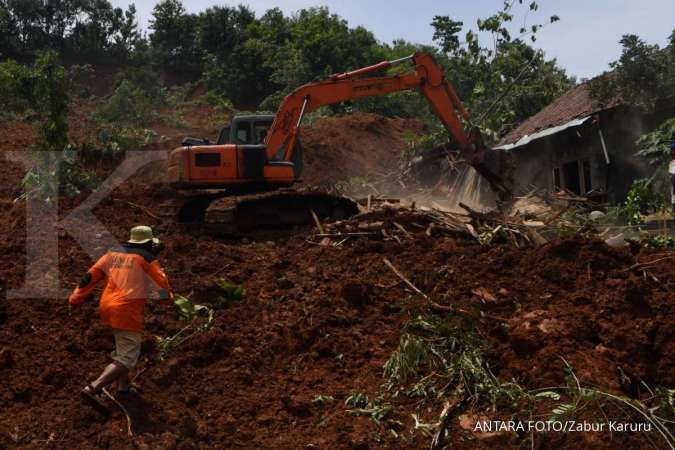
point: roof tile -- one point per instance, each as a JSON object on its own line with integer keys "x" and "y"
{"x": 573, "y": 104}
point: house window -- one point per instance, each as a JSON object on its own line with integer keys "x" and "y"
{"x": 575, "y": 176}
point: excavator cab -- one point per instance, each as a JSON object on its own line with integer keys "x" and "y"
{"x": 242, "y": 130}
{"x": 246, "y": 130}
{"x": 238, "y": 159}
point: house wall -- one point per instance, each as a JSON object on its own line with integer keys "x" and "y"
{"x": 621, "y": 127}
{"x": 535, "y": 161}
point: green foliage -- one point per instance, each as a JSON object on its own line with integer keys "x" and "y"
{"x": 138, "y": 95}
{"x": 55, "y": 173}
{"x": 43, "y": 90}
{"x": 16, "y": 87}
{"x": 505, "y": 82}
{"x": 656, "y": 410}
{"x": 640, "y": 201}
{"x": 116, "y": 137}
{"x": 82, "y": 28}
{"x": 407, "y": 360}
{"x": 655, "y": 146}
{"x": 375, "y": 411}
{"x": 51, "y": 101}
{"x": 219, "y": 101}
{"x": 453, "y": 355}
{"x": 445, "y": 33}
{"x": 173, "y": 38}
{"x": 254, "y": 62}
{"x": 357, "y": 400}
{"x": 642, "y": 74}
{"x": 229, "y": 292}
{"x": 179, "y": 96}
{"x": 322, "y": 400}
{"x": 200, "y": 318}
{"x": 188, "y": 311}
{"x": 658, "y": 241}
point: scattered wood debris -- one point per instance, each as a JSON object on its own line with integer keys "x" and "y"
{"x": 531, "y": 220}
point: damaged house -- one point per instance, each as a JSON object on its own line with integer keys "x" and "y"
{"x": 581, "y": 145}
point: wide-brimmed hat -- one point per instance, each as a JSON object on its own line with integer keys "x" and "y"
{"x": 142, "y": 234}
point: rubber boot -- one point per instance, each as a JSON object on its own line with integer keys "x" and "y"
{"x": 112, "y": 372}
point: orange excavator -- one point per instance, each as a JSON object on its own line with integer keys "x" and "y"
{"x": 262, "y": 154}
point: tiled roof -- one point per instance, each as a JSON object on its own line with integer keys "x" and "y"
{"x": 571, "y": 105}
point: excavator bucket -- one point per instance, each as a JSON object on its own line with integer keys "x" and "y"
{"x": 496, "y": 167}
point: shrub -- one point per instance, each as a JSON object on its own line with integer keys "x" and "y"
{"x": 16, "y": 87}
{"x": 128, "y": 104}
{"x": 144, "y": 79}
{"x": 641, "y": 200}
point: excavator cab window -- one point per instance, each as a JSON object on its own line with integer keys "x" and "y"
{"x": 224, "y": 136}
{"x": 260, "y": 130}
{"x": 243, "y": 133}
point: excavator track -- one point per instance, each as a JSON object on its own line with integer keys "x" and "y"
{"x": 221, "y": 214}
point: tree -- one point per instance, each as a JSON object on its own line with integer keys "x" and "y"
{"x": 174, "y": 37}
{"x": 234, "y": 57}
{"x": 9, "y": 31}
{"x": 128, "y": 36}
{"x": 445, "y": 33}
{"x": 27, "y": 14}
{"x": 311, "y": 44}
{"x": 503, "y": 83}
{"x": 642, "y": 74}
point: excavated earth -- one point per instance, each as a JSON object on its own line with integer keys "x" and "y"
{"x": 319, "y": 321}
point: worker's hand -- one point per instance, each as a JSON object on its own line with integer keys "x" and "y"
{"x": 165, "y": 298}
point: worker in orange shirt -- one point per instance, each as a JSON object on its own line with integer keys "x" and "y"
{"x": 130, "y": 272}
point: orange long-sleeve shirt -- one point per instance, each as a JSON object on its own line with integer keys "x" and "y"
{"x": 130, "y": 273}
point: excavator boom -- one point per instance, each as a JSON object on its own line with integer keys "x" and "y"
{"x": 427, "y": 76}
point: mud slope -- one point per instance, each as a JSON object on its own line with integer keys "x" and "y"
{"x": 356, "y": 145}
{"x": 320, "y": 321}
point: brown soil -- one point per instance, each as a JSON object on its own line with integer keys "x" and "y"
{"x": 358, "y": 145}
{"x": 319, "y": 321}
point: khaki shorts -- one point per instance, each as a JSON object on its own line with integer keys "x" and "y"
{"x": 127, "y": 348}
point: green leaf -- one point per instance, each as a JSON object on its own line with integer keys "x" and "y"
{"x": 549, "y": 394}
{"x": 562, "y": 409}
{"x": 188, "y": 311}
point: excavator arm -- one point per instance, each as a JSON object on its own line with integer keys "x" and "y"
{"x": 427, "y": 76}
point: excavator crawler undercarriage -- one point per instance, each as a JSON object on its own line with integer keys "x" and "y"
{"x": 221, "y": 214}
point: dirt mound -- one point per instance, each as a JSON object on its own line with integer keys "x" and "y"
{"x": 356, "y": 145}
{"x": 318, "y": 322}
{"x": 317, "y": 325}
